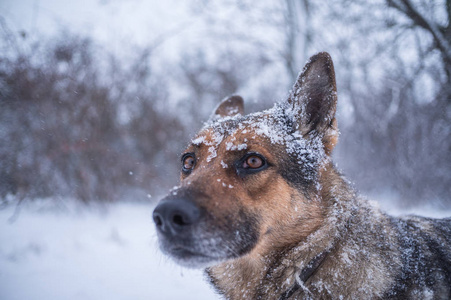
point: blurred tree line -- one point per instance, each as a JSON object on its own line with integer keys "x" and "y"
{"x": 79, "y": 121}
{"x": 75, "y": 125}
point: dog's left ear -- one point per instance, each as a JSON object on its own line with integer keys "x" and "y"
{"x": 229, "y": 106}
{"x": 313, "y": 100}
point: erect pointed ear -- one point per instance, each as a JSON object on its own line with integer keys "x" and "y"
{"x": 313, "y": 100}
{"x": 229, "y": 106}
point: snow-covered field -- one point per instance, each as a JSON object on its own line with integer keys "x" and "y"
{"x": 94, "y": 253}
{"x": 48, "y": 253}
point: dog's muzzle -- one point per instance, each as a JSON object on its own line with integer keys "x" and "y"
{"x": 195, "y": 238}
{"x": 181, "y": 233}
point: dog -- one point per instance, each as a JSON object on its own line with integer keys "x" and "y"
{"x": 263, "y": 209}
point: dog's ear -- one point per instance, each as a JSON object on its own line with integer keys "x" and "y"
{"x": 230, "y": 106}
{"x": 313, "y": 100}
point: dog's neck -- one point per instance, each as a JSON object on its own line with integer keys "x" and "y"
{"x": 252, "y": 276}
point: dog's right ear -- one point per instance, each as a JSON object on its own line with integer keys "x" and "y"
{"x": 229, "y": 107}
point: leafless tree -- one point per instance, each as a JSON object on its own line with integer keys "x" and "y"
{"x": 394, "y": 58}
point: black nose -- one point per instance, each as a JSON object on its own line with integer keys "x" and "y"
{"x": 174, "y": 216}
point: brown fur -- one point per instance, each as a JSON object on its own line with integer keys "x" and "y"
{"x": 293, "y": 227}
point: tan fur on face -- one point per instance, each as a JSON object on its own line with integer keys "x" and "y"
{"x": 266, "y": 193}
{"x": 286, "y": 216}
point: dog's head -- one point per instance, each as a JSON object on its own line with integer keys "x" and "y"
{"x": 253, "y": 183}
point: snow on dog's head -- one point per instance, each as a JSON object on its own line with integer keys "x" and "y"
{"x": 241, "y": 172}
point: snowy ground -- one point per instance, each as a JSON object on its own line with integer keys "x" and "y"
{"x": 73, "y": 253}
{"x": 89, "y": 254}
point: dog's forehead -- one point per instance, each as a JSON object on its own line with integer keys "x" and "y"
{"x": 235, "y": 129}
{"x": 271, "y": 126}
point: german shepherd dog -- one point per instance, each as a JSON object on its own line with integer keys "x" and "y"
{"x": 262, "y": 208}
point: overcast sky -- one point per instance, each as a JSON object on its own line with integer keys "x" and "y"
{"x": 107, "y": 21}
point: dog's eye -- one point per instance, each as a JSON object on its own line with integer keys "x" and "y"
{"x": 188, "y": 162}
{"x": 253, "y": 162}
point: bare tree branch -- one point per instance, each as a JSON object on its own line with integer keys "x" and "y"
{"x": 440, "y": 39}
{"x": 448, "y": 26}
